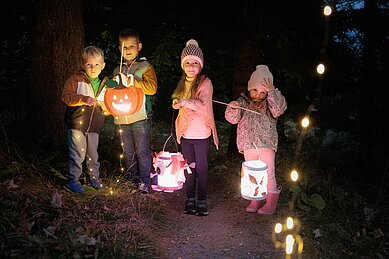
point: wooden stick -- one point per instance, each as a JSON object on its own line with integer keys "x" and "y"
{"x": 121, "y": 59}
{"x": 238, "y": 107}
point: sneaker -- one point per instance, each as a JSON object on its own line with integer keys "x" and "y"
{"x": 190, "y": 206}
{"x": 95, "y": 183}
{"x": 143, "y": 188}
{"x": 75, "y": 187}
{"x": 202, "y": 209}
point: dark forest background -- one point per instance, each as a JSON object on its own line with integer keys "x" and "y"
{"x": 42, "y": 40}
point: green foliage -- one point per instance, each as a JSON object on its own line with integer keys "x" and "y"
{"x": 306, "y": 202}
{"x": 166, "y": 61}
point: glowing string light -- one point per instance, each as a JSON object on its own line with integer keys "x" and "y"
{"x": 327, "y": 10}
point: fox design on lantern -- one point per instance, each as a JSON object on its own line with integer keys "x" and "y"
{"x": 170, "y": 171}
{"x": 254, "y": 181}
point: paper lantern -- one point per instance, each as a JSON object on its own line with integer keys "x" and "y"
{"x": 122, "y": 100}
{"x": 253, "y": 182}
{"x": 169, "y": 168}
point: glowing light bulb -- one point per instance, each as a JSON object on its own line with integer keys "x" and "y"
{"x": 121, "y": 156}
{"x": 289, "y": 244}
{"x": 278, "y": 228}
{"x": 305, "y": 122}
{"x": 289, "y": 223}
{"x": 320, "y": 69}
{"x": 327, "y": 10}
{"x": 294, "y": 175}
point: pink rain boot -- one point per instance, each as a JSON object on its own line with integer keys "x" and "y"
{"x": 253, "y": 206}
{"x": 271, "y": 202}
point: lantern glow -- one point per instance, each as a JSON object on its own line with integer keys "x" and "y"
{"x": 124, "y": 101}
{"x": 253, "y": 182}
{"x": 169, "y": 168}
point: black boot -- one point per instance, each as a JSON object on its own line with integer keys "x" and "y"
{"x": 190, "y": 206}
{"x": 202, "y": 209}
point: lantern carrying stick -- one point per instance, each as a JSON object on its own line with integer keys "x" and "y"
{"x": 121, "y": 58}
{"x": 238, "y": 107}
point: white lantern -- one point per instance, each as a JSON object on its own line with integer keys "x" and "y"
{"x": 169, "y": 168}
{"x": 253, "y": 182}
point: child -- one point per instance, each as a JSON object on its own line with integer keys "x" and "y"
{"x": 194, "y": 125}
{"x": 257, "y": 136}
{"x": 84, "y": 118}
{"x": 136, "y": 128}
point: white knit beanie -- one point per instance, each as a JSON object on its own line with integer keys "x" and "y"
{"x": 261, "y": 72}
{"x": 192, "y": 51}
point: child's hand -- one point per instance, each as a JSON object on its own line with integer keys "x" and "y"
{"x": 176, "y": 104}
{"x": 90, "y": 101}
{"x": 234, "y": 105}
{"x": 268, "y": 84}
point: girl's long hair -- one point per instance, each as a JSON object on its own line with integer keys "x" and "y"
{"x": 180, "y": 89}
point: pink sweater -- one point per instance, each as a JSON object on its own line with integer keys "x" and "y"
{"x": 198, "y": 109}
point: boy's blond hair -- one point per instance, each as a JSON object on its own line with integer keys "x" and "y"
{"x": 92, "y": 51}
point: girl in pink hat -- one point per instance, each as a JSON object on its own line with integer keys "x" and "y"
{"x": 257, "y": 137}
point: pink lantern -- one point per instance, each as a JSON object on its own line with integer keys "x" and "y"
{"x": 169, "y": 168}
{"x": 253, "y": 182}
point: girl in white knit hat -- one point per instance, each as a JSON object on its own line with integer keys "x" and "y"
{"x": 195, "y": 125}
{"x": 257, "y": 137}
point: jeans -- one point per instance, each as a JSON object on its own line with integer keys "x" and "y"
{"x": 82, "y": 146}
{"x": 136, "y": 144}
{"x": 196, "y": 150}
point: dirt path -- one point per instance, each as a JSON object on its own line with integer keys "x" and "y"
{"x": 227, "y": 232}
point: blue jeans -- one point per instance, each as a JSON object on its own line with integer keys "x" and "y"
{"x": 82, "y": 146}
{"x": 136, "y": 143}
{"x": 196, "y": 150}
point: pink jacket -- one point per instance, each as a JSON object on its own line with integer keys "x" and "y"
{"x": 254, "y": 130}
{"x": 200, "y": 106}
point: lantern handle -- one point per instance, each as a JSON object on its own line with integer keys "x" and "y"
{"x": 171, "y": 134}
{"x": 121, "y": 58}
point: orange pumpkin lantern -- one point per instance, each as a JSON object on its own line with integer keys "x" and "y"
{"x": 122, "y": 100}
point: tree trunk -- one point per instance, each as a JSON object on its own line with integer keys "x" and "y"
{"x": 58, "y": 39}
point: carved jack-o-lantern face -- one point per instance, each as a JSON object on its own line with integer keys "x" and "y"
{"x": 123, "y": 101}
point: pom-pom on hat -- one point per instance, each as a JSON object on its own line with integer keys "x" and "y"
{"x": 261, "y": 72}
{"x": 192, "y": 51}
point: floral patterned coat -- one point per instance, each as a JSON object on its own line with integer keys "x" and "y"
{"x": 254, "y": 130}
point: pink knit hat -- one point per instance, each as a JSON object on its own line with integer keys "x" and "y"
{"x": 192, "y": 51}
{"x": 261, "y": 72}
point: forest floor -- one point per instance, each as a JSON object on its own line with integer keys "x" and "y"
{"x": 227, "y": 232}
{"x": 41, "y": 219}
